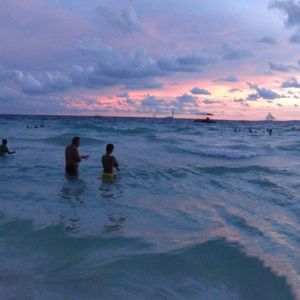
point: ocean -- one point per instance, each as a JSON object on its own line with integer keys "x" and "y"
{"x": 197, "y": 211}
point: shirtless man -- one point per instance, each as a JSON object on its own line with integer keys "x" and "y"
{"x": 4, "y": 148}
{"x": 72, "y": 157}
{"x": 109, "y": 162}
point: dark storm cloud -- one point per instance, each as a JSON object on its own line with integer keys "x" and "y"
{"x": 234, "y": 90}
{"x": 138, "y": 69}
{"x": 253, "y": 97}
{"x": 46, "y": 82}
{"x": 231, "y": 52}
{"x": 123, "y": 95}
{"x": 291, "y": 83}
{"x": 11, "y": 98}
{"x": 186, "y": 104}
{"x": 113, "y": 63}
{"x": 125, "y": 20}
{"x": 240, "y": 100}
{"x": 199, "y": 91}
{"x": 262, "y": 93}
{"x": 267, "y": 40}
{"x": 230, "y": 78}
{"x": 186, "y": 99}
{"x": 184, "y": 63}
{"x": 151, "y": 102}
{"x": 182, "y": 104}
{"x": 126, "y": 98}
{"x": 130, "y": 101}
{"x": 291, "y": 9}
{"x": 281, "y": 67}
{"x": 135, "y": 70}
{"x": 210, "y": 102}
{"x": 243, "y": 102}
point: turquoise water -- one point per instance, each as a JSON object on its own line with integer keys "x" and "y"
{"x": 198, "y": 211}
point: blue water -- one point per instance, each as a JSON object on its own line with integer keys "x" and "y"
{"x": 198, "y": 211}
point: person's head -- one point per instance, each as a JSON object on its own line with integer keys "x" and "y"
{"x": 76, "y": 141}
{"x": 109, "y": 148}
{"x": 4, "y": 141}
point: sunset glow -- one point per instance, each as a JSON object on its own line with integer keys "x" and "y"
{"x": 236, "y": 59}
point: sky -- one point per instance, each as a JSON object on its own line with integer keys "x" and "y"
{"x": 235, "y": 59}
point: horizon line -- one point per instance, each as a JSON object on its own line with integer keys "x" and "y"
{"x": 141, "y": 117}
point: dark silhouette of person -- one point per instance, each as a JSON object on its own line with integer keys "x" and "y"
{"x": 73, "y": 158}
{"x": 109, "y": 162}
{"x": 4, "y": 149}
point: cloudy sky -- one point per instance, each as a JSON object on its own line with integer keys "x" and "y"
{"x": 236, "y": 59}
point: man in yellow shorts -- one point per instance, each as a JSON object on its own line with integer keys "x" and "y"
{"x": 109, "y": 162}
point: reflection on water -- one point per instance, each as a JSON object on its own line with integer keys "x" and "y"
{"x": 110, "y": 189}
{"x": 72, "y": 191}
{"x": 116, "y": 220}
{"x": 79, "y": 211}
{"x": 71, "y": 224}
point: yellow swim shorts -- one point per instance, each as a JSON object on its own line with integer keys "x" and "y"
{"x": 109, "y": 176}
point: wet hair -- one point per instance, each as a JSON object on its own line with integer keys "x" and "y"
{"x": 109, "y": 148}
{"x": 75, "y": 140}
{"x": 4, "y": 141}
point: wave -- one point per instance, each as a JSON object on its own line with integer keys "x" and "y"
{"x": 226, "y": 153}
{"x": 65, "y": 139}
{"x": 255, "y": 169}
{"x": 293, "y": 147}
{"x": 215, "y": 152}
{"x": 129, "y": 268}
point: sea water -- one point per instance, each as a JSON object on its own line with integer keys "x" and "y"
{"x": 198, "y": 211}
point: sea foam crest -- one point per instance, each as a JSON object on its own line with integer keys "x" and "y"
{"x": 226, "y": 153}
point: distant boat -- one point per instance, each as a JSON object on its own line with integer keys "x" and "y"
{"x": 206, "y": 120}
{"x": 269, "y": 117}
{"x": 170, "y": 117}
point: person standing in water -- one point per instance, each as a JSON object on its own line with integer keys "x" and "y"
{"x": 4, "y": 149}
{"x": 73, "y": 158}
{"x": 109, "y": 162}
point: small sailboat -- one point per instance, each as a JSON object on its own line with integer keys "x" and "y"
{"x": 270, "y": 117}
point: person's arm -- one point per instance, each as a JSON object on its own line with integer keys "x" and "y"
{"x": 84, "y": 156}
{"x": 116, "y": 164}
{"x": 9, "y": 152}
{"x": 76, "y": 156}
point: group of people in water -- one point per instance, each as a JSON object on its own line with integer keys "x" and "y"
{"x": 269, "y": 130}
{"x": 73, "y": 158}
